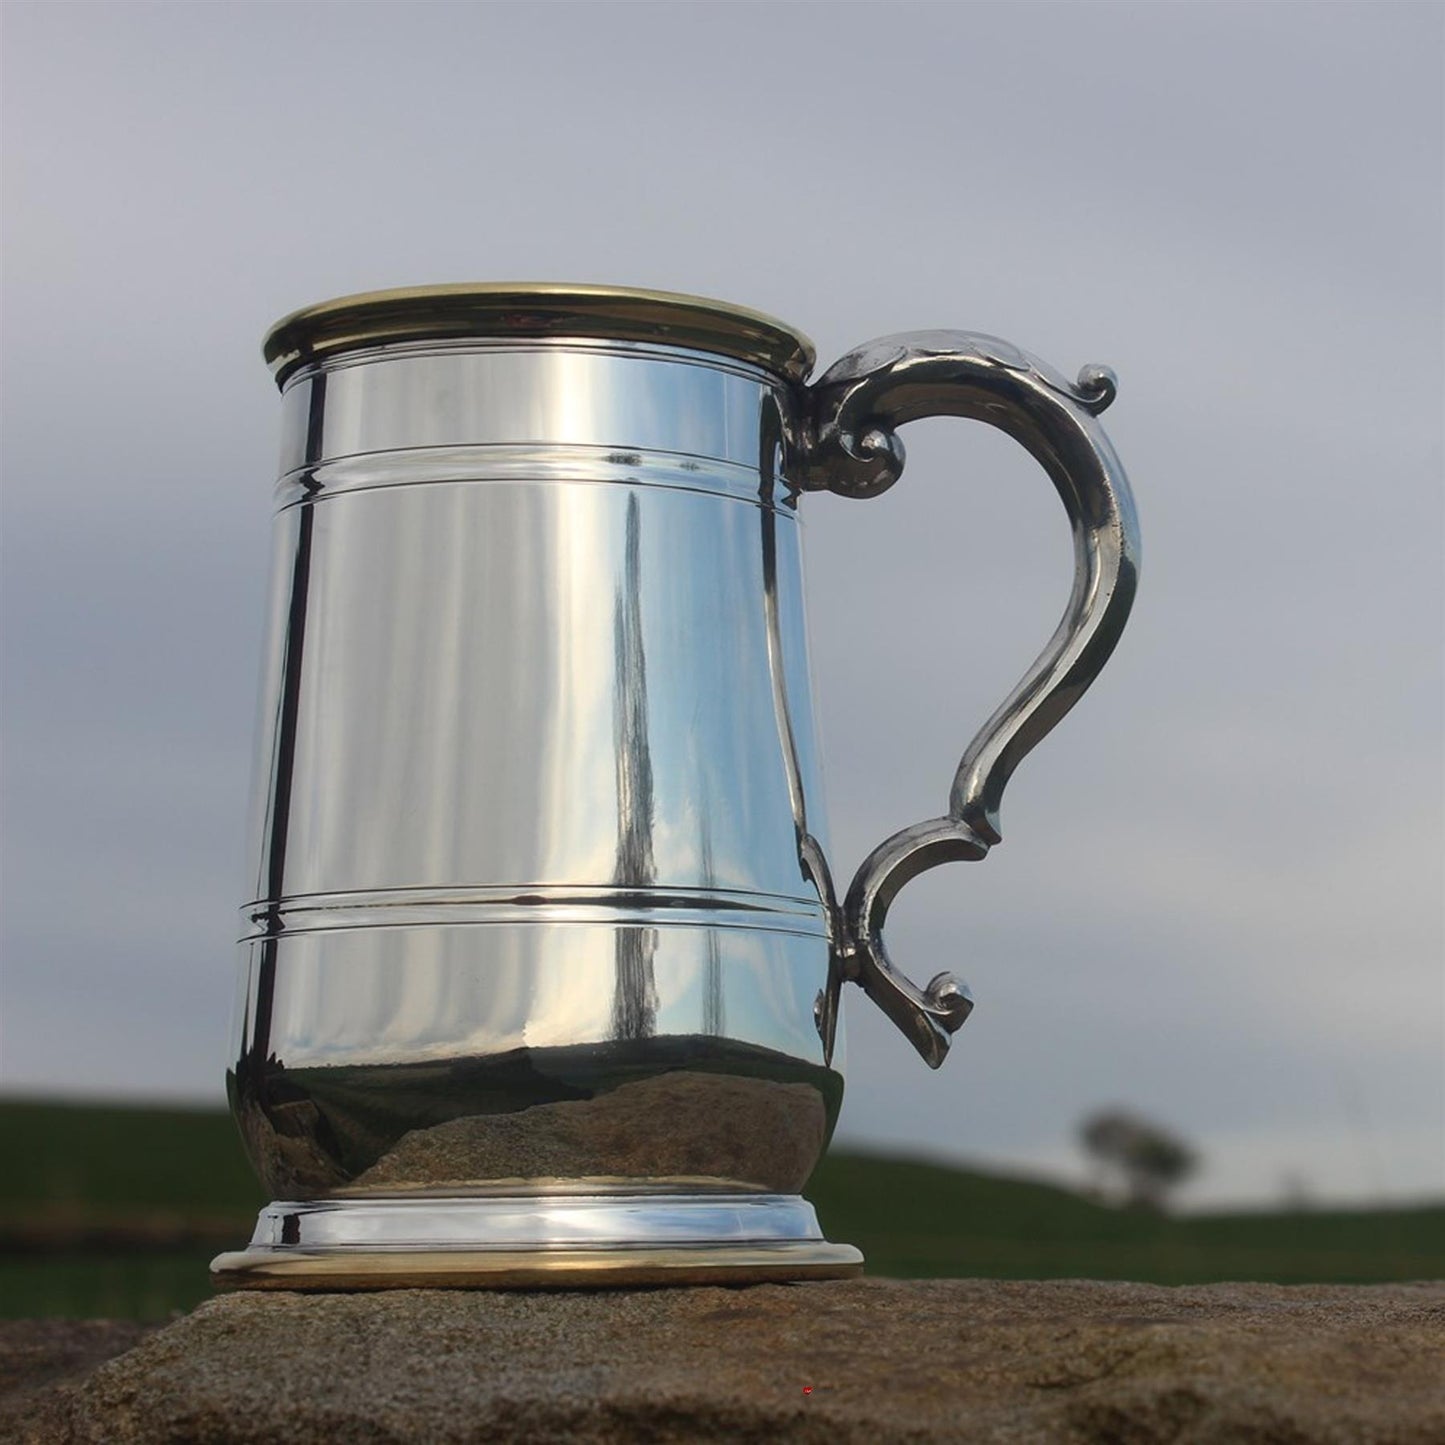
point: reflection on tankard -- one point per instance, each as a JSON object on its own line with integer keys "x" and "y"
{"x": 542, "y": 957}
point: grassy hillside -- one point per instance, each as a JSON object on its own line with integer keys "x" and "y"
{"x": 917, "y": 1220}
{"x": 117, "y": 1211}
{"x": 106, "y": 1161}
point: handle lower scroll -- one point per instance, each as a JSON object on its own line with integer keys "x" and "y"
{"x": 851, "y": 447}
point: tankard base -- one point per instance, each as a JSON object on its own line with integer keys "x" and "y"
{"x": 558, "y": 1241}
{"x": 624, "y": 1268}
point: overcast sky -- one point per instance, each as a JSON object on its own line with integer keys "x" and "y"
{"x": 1220, "y": 895}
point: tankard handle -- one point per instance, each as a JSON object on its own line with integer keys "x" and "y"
{"x": 850, "y": 446}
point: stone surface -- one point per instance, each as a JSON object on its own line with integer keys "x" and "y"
{"x": 39, "y": 1359}
{"x": 858, "y": 1360}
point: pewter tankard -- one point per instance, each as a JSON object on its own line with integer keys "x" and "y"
{"x": 542, "y": 957}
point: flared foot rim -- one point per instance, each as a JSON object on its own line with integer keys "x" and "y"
{"x": 359, "y": 1269}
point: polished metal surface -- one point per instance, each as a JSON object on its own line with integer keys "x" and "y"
{"x": 536, "y": 1240}
{"x": 525, "y": 1222}
{"x": 583, "y": 1267}
{"x": 852, "y": 447}
{"x": 537, "y": 756}
{"x": 532, "y": 309}
{"x": 540, "y": 909}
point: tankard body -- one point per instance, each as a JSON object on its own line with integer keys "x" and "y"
{"x": 541, "y": 956}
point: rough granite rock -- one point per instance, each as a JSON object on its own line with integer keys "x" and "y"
{"x": 866, "y": 1360}
{"x": 40, "y": 1359}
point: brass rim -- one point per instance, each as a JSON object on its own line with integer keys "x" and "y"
{"x": 533, "y": 1268}
{"x": 521, "y": 309}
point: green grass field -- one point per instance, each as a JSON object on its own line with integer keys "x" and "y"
{"x": 109, "y": 1211}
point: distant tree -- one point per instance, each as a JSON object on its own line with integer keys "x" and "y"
{"x": 1143, "y": 1160}
{"x": 1295, "y": 1192}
